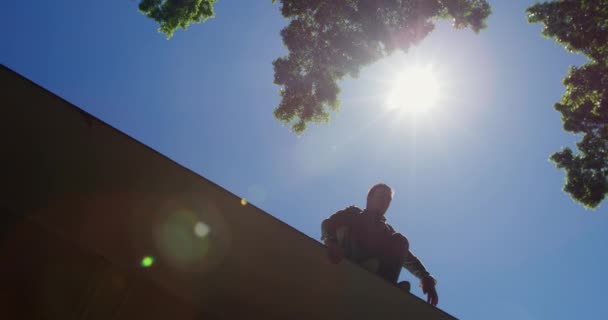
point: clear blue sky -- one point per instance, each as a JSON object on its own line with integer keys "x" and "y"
{"x": 475, "y": 193}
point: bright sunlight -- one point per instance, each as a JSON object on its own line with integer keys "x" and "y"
{"x": 416, "y": 90}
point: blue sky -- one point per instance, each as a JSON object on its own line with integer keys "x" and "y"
{"x": 475, "y": 193}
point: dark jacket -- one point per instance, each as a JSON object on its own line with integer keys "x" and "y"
{"x": 373, "y": 235}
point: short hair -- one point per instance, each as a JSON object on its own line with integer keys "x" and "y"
{"x": 378, "y": 186}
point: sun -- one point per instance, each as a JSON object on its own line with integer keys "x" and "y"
{"x": 415, "y": 90}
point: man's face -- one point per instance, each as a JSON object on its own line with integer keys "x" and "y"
{"x": 379, "y": 201}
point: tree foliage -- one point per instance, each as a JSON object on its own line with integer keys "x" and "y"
{"x": 582, "y": 26}
{"x": 329, "y": 39}
{"x": 173, "y": 14}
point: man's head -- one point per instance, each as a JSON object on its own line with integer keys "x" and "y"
{"x": 379, "y": 198}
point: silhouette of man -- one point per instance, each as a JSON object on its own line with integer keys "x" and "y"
{"x": 364, "y": 237}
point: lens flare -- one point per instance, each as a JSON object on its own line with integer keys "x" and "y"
{"x": 183, "y": 239}
{"x": 147, "y": 261}
{"x": 201, "y": 229}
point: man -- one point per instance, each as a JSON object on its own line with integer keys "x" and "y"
{"x": 364, "y": 237}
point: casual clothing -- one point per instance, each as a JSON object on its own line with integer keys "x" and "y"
{"x": 369, "y": 241}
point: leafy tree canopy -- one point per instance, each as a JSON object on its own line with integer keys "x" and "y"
{"x": 329, "y": 39}
{"x": 173, "y": 14}
{"x": 582, "y": 26}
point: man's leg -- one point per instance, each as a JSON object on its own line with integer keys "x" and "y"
{"x": 354, "y": 252}
{"x": 343, "y": 236}
{"x": 390, "y": 268}
{"x": 392, "y": 258}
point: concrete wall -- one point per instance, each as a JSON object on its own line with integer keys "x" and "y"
{"x": 81, "y": 204}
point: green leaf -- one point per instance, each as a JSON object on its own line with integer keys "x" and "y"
{"x": 581, "y": 26}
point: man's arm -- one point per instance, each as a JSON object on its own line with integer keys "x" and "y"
{"x": 329, "y": 229}
{"x": 337, "y": 220}
{"x": 415, "y": 266}
{"x": 427, "y": 282}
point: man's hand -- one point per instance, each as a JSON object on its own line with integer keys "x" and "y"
{"x": 428, "y": 288}
{"x": 334, "y": 251}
